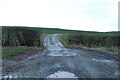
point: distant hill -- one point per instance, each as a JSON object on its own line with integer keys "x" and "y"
{"x": 58, "y": 30}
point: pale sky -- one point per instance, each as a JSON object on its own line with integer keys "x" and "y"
{"x": 88, "y": 15}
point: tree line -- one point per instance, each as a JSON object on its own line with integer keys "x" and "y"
{"x": 17, "y": 36}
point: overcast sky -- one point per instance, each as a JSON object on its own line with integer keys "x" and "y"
{"x": 89, "y": 15}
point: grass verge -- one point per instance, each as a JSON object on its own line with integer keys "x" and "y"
{"x": 116, "y": 51}
{"x": 8, "y": 52}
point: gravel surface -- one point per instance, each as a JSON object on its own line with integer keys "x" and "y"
{"x": 81, "y": 63}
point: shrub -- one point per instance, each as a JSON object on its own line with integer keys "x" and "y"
{"x": 20, "y": 37}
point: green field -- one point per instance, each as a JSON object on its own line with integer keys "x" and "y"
{"x": 7, "y": 52}
{"x": 62, "y": 31}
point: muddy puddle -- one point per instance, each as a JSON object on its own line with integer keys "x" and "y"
{"x": 62, "y": 74}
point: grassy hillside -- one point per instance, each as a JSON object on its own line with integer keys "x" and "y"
{"x": 58, "y": 30}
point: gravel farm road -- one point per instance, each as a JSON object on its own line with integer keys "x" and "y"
{"x": 56, "y": 61}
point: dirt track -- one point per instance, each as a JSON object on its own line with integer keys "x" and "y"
{"x": 80, "y": 62}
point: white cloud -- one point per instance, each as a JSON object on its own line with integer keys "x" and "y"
{"x": 93, "y": 15}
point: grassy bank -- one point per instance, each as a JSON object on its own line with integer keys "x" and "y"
{"x": 12, "y": 51}
{"x": 8, "y": 52}
{"x": 104, "y": 42}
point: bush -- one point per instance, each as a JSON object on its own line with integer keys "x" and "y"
{"x": 94, "y": 40}
{"x": 20, "y": 37}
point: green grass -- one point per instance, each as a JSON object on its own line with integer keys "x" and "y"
{"x": 64, "y": 39}
{"x": 105, "y": 49}
{"x": 8, "y": 52}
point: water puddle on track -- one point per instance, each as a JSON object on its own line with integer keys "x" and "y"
{"x": 9, "y": 77}
{"x": 62, "y": 74}
{"x": 103, "y": 60}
